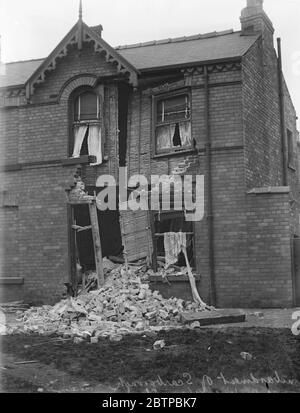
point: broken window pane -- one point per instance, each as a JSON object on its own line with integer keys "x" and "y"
{"x": 185, "y": 133}
{"x": 173, "y": 130}
{"x": 176, "y": 137}
{"x": 163, "y": 138}
{"x": 174, "y": 222}
{"x": 175, "y": 108}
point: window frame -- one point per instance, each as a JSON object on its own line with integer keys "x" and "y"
{"x": 155, "y": 124}
{"x": 86, "y": 121}
{"x": 166, "y": 216}
{"x": 99, "y": 92}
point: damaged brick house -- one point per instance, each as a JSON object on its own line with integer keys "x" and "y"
{"x": 213, "y": 105}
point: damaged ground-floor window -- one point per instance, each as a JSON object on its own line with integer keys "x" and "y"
{"x": 167, "y": 227}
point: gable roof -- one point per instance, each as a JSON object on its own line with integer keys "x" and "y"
{"x": 184, "y": 51}
{"x": 77, "y": 35}
{"x": 17, "y": 73}
{"x": 188, "y": 50}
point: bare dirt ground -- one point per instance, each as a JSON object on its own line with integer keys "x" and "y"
{"x": 206, "y": 360}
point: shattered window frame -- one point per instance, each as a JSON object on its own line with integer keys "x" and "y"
{"x": 174, "y": 218}
{"x": 180, "y": 125}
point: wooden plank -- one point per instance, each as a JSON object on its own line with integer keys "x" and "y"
{"x": 154, "y": 254}
{"x": 207, "y": 318}
{"x": 135, "y": 228}
{"x": 97, "y": 243}
{"x": 149, "y": 239}
{"x": 72, "y": 250}
{"x": 125, "y": 246}
{"x": 162, "y": 235}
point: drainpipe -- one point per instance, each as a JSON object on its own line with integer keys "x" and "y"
{"x": 282, "y": 115}
{"x": 213, "y": 296}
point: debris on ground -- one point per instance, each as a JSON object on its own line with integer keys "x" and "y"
{"x": 14, "y": 307}
{"x": 158, "y": 345}
{"x": 214, "y": 317}
{"x": 195, "y": 325}
{"x": 258, "y": 314}
{"x": 124, "y": 305}
{"x": 246, "y": 356}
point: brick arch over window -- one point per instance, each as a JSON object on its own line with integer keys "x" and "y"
{"x": 75, "y": 83}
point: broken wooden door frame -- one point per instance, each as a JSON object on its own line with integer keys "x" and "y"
{"x": 91, "y": 202}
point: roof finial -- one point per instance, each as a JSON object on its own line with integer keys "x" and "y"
{"x": 80, "y": 27}
{"x": 80, "y": 9}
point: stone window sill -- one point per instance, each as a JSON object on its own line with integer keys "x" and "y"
{"x": 82, "y": 160}
{"x": 172, "y": 154}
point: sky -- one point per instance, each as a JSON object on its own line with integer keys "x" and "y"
{"x": 31, "y": 29}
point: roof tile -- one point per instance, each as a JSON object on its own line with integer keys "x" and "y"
{"x": 157, "y": 54}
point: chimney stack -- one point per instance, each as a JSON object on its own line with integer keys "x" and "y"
{"x": 254, "y": 18}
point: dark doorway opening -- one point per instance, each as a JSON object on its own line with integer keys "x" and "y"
{"x": 110, "y": 235}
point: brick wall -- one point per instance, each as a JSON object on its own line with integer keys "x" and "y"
{"x": 293, "y": 169}
{"x": 35, "y": 243}
{"x": 269, "y": 282}
{"x": 263, "y": 162}
{"x": 251, "y": 232}
{"x": 9, "y": 130}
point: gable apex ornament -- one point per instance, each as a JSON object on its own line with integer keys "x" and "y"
{"x": 80, "y": 31}
{"x": 79, "y": 34}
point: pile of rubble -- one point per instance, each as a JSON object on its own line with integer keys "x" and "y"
{"x": 124, "y": 305}
{"x": 13, "y": 307}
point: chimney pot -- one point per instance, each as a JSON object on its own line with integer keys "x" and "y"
{"x": 255, "y": 3}
{"x": 254, "y": 17}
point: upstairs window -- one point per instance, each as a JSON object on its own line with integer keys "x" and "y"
{"x": 173, "y": 124}
{"x": 87, "y": 107}
{"x": 87, "y": 126}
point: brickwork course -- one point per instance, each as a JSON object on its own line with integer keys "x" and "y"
{"x": 255, "y": 213}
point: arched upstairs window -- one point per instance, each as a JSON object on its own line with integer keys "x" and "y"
{"x": 87, "y": 125}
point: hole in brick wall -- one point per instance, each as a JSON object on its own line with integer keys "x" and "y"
{"x": 110, "y": 235}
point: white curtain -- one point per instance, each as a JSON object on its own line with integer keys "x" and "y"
{"x": 185, "y": 133}
{"x": 95, "y": 143}
{"x": 162, "y": 138}
{"x": 79, "y": 133}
